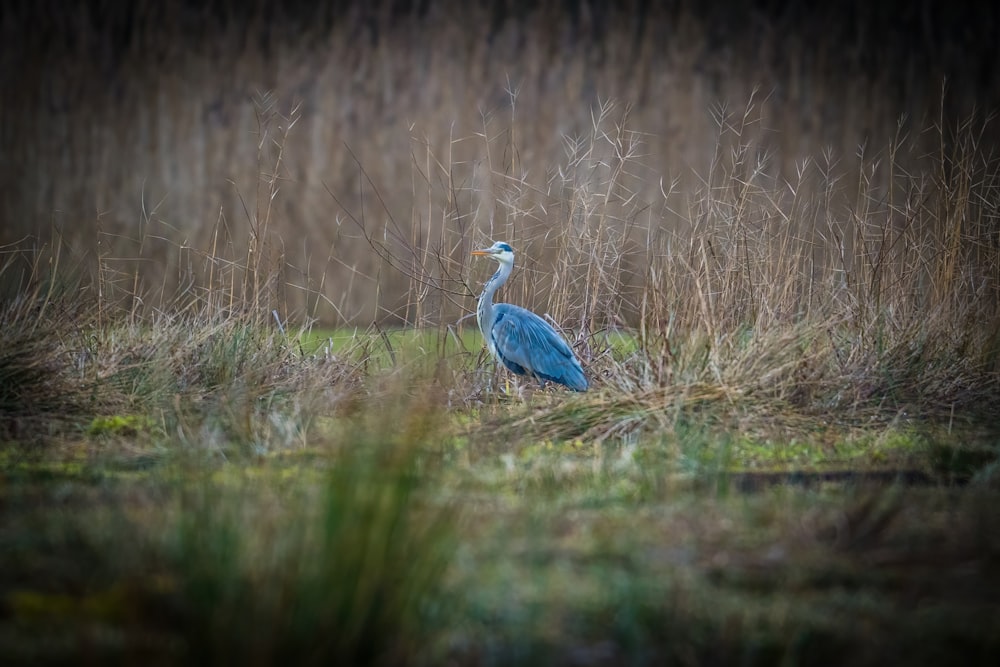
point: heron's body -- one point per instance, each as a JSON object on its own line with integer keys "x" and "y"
{"x": 522, "y": 341}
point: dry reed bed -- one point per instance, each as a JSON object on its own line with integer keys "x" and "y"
{"x": 135, "y": 137}
{"x": 758, "y": 288}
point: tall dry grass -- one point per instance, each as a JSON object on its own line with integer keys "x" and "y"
{"x": 766, "y": 229}
{"x": 834, "y": 288}
{"x": 137, "y": 135}
{"x": 831, "y": 297}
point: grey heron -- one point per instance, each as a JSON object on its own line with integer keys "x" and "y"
{"x": 522, "y": 341}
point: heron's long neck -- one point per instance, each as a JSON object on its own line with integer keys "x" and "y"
{"x": 484, "y": 313}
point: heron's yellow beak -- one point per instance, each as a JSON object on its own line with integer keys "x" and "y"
{"x": 481, "y": 252}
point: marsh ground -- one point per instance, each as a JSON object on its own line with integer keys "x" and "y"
{"x": 253, "y": 524}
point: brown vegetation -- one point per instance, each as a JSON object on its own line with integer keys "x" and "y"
{"x": 576, "y": 132}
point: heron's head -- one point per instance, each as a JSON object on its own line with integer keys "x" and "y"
{"x": 499, "y": 251}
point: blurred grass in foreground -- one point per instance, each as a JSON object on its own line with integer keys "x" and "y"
{"x": 387, "y": 544}
{"x": 338, "y": 557}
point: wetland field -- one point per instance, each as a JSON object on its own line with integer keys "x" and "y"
{"x": 246, "y": 415}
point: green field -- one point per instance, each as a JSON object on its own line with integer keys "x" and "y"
{"x": 224, "y": 492}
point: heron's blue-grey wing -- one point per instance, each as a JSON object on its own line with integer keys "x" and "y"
{"x": 528, "y": 345}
